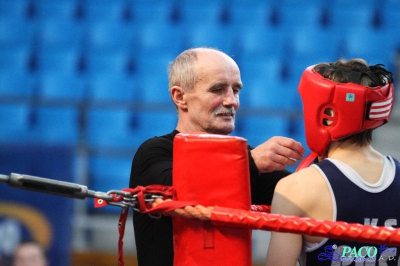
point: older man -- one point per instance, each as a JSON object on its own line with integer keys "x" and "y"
{"x": 204, "y": 84}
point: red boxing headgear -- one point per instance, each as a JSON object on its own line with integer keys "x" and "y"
{"x": 355, "y": 107}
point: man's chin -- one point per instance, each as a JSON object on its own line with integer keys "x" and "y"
{"x": 224, "y": 130}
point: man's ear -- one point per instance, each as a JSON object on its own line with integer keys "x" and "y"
{"x": 178, "y": 97}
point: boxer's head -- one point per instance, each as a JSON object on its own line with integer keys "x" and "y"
{"x": 342, "y": 99}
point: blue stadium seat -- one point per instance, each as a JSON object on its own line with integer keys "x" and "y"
{"x": 294, "y": 68}
{"x": 152, "y": 11}
{"x": 353, "y": 3}
{"x": 108, "y": 36}
{"x": 264, "y": 69}
{"x": 260, "y": 78}
{"x": 153, "y": 64}
{"x": 257, "y": 13}
{"x": 258, "y": 129}
{"x": 267, "y": 94}
{"x": 316, "y": 42}
{"x": 16, "y": 59}
{"x": 103, "y": 10}
{"x": 66, "y": 60}
{"x": 152, "y": 77}
{"x": 153, "y": 89}
{"x": 114, "y": 62}
{"x": 56, "y": 125}
{"x": 63, "y": 10}
{"x": 152, "y": 123}
{"x": 261, "y": 41}
{"x": 218, "y": 36}
{"x": 124, "y": 129}
{"x": 299, "y": 13}
{"x": 200, "y": 12}
{"x": 60, "y": 87}
{"x": 111, "y": 128}
{"x": 16, "y": 85}
{"x": 15, "y": 120}
{"x": 108, "y": 173}
{"x": 343, "y": 15}
{"x": 16, "y": 33}
{"x": 390, "y": 15}
{"x": 112, "y": 89}
{"x": 16, "y": 9}
{"x": 59, "y": 34}
{"x": 374, "y": 45}
{"x": 159, "y": 38}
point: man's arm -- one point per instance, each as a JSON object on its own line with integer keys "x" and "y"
{"x": 152, "y": 164}
{"x": 267, "y": 166}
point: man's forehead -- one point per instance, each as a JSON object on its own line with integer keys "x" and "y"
{"x": 209, "y": 55}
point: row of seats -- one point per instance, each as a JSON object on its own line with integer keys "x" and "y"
{"x": 109, "y": 52}
{"x": 102, "y": 37}
{"x": 96, "y": 127}
{"x": 114, "y": 127}
{"x": 117, "y": 48}
{"x": 238, "y": 12}
{"x": 261, "y": 89}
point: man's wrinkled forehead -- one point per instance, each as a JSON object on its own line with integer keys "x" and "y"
{"x": 214, "y": 64}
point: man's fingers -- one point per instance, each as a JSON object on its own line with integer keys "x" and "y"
{"x": 292, "y": 149}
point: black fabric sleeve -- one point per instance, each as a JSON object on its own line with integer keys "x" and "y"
{"x": 262, "y": 185}
{"x": 152, "y": 164}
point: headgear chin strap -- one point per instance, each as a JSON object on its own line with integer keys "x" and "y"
{"x": 355, "y": 108}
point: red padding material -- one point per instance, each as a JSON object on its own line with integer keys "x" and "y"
{"x": 211, "y": 170}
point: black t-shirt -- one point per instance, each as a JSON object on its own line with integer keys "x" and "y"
{"x": 152, "y": 164}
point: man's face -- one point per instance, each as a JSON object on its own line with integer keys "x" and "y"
{"x": 213, "y": 102}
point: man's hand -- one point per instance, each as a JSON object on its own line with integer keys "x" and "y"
{"x": 197, "y": 212}
{"x": 277, "y": 153}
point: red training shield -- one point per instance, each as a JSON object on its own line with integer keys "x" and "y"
{"x": 214, "y": 171}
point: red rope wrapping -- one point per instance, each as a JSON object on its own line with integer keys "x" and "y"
{"x": 221, "y": 216}
{"x": 166, "y": 191}
{"x": 260, "y": 208}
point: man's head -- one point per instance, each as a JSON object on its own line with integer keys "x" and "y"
{"x": 344, "y": 101}
{"x": 30, "y": 254}
{"x": 204, "y": 84}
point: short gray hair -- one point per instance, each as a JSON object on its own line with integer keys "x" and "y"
{"x": 181, "y": 71}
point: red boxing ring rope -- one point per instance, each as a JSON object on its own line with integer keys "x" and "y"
{"x": 221, "y": 216}
{"x": 259, "y": 218}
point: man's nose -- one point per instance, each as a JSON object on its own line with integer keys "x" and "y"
{"x": 230, "y": 98}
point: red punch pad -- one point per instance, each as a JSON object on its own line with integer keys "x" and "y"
{"x": 212, "y": 170}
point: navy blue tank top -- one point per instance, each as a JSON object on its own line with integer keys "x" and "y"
{"x": 355, "y": 205}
